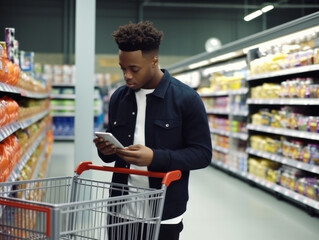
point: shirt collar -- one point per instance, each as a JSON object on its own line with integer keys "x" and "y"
{"x": 161, "y": 88}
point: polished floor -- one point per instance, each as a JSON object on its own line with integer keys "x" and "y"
{"x": 221, "y": 207}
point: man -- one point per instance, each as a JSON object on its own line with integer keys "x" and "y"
{"x": 162, "y": 122}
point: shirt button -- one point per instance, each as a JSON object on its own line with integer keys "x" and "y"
{"x": 115, "y": 123}
{"x": 133, "y": 113}
{"x": 129, "y": 135}
{"x": 167, "y": 125}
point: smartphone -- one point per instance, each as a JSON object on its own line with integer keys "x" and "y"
{"x": 110, "y": 138}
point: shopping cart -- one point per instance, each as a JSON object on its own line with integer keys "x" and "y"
{"x": 79, "y": 208}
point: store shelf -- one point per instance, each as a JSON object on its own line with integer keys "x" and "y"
{"x": 221, "y": 149}
{"x": 284, "y": 160}
{"x": 285, "y": 192}
{"x": 270, "y": 186}
{"x": 242, "y": 136}
{"x": 62, "y": 108}
{"x": 9, "y": 129}
{"x": 8, "y": 88}
{"x": 42, "y": 158}
{"x": 220, "y": 132}
{"x": 67, "y": 138}
{"x": 285, "y": 132}
{"x": 63, "y": 114}
{"x": 227, "y": 112}
{"x": 68, "y": 96}
{"x": 25, "y": 93}
{"x": 241, "y": 91}
{"x": 62, "y": 96}
{"x": 29, "y": 94}
{"x": 63, "y": 85}
{"x": 239, "y": 154}
{"x": 218, "y": 111}
{"x": 285, "y": 72}
{"x": 235, "y": 112}
{"x": 228, "y": 168}
{"x": 71, "y": 109}
{"x": 16, "y": 171}
{"x": 284, "y": 101}
{"x": 27, "y": 122}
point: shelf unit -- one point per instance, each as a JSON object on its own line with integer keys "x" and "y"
{"x": 228, "y": 139}
{"x": 219, "y": 61}
{"x": 16, "y": 171}
{"x": 296, "y": 197}
{"x": 13, "y": 127}
{"x": 63, "y": 111}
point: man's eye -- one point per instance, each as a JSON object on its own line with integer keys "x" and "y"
{"x": 135, "y": 70}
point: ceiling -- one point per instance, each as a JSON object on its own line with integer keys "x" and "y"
{"x": 253, "y": 2}
{"x": 235, "y": 4}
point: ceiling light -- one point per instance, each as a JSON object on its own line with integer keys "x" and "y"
{"x": 253, "y": 15}
{"x": 267, "y": 8}
{"x": 259, "y": 12}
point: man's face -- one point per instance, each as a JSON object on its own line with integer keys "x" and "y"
{"x": 138, "y": 69}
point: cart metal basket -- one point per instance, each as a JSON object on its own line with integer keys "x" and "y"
{"x": 79, "y": 208}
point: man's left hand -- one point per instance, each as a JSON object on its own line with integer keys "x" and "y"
{"x": 139, "y": 155}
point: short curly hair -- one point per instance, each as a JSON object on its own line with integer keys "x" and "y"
{"x": 138, "y": 36}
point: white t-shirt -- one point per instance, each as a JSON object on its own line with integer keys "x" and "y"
{"x": 139, "y": 138}
{"x": 139, "y": 135}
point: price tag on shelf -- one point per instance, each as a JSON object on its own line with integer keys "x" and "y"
{"x": 23, "y": 92}
{"x": 286, "y": 192}
{"x": 315, "y": 169}
{"x": 277, "y": 188}
{"x": 297, "y": 197}
{"x": 301, "y": 134}
{"x": 275, "y": 130}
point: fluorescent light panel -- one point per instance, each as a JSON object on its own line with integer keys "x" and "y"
{"x": 257, "y": 13}
{"x": 253, "y": 15}
{"x": 267, "y": 8}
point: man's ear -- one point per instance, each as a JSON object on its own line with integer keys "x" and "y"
{"x": 155, "y": 61}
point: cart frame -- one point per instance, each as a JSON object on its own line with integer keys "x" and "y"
{"x": 34, "y": 216}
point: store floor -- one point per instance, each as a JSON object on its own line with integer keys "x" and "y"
{"x": 220, "y": 206}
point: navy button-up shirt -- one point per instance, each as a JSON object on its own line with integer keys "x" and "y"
{"x": 176, "y": 129}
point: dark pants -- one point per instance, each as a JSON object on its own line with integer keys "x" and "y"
{"x": 170, "y": 231}
{"x": 126, "y": 231}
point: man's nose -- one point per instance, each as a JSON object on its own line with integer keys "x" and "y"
{"x": 127, "y": 75}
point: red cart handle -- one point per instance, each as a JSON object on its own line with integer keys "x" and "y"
{"x": 167, "y": 178}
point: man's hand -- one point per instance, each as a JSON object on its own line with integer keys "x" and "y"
{"x": 139, "y": 155}
{"x": 104, "y": 147}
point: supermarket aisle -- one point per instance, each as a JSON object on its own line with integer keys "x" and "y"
{"x": 220, "y": 206}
